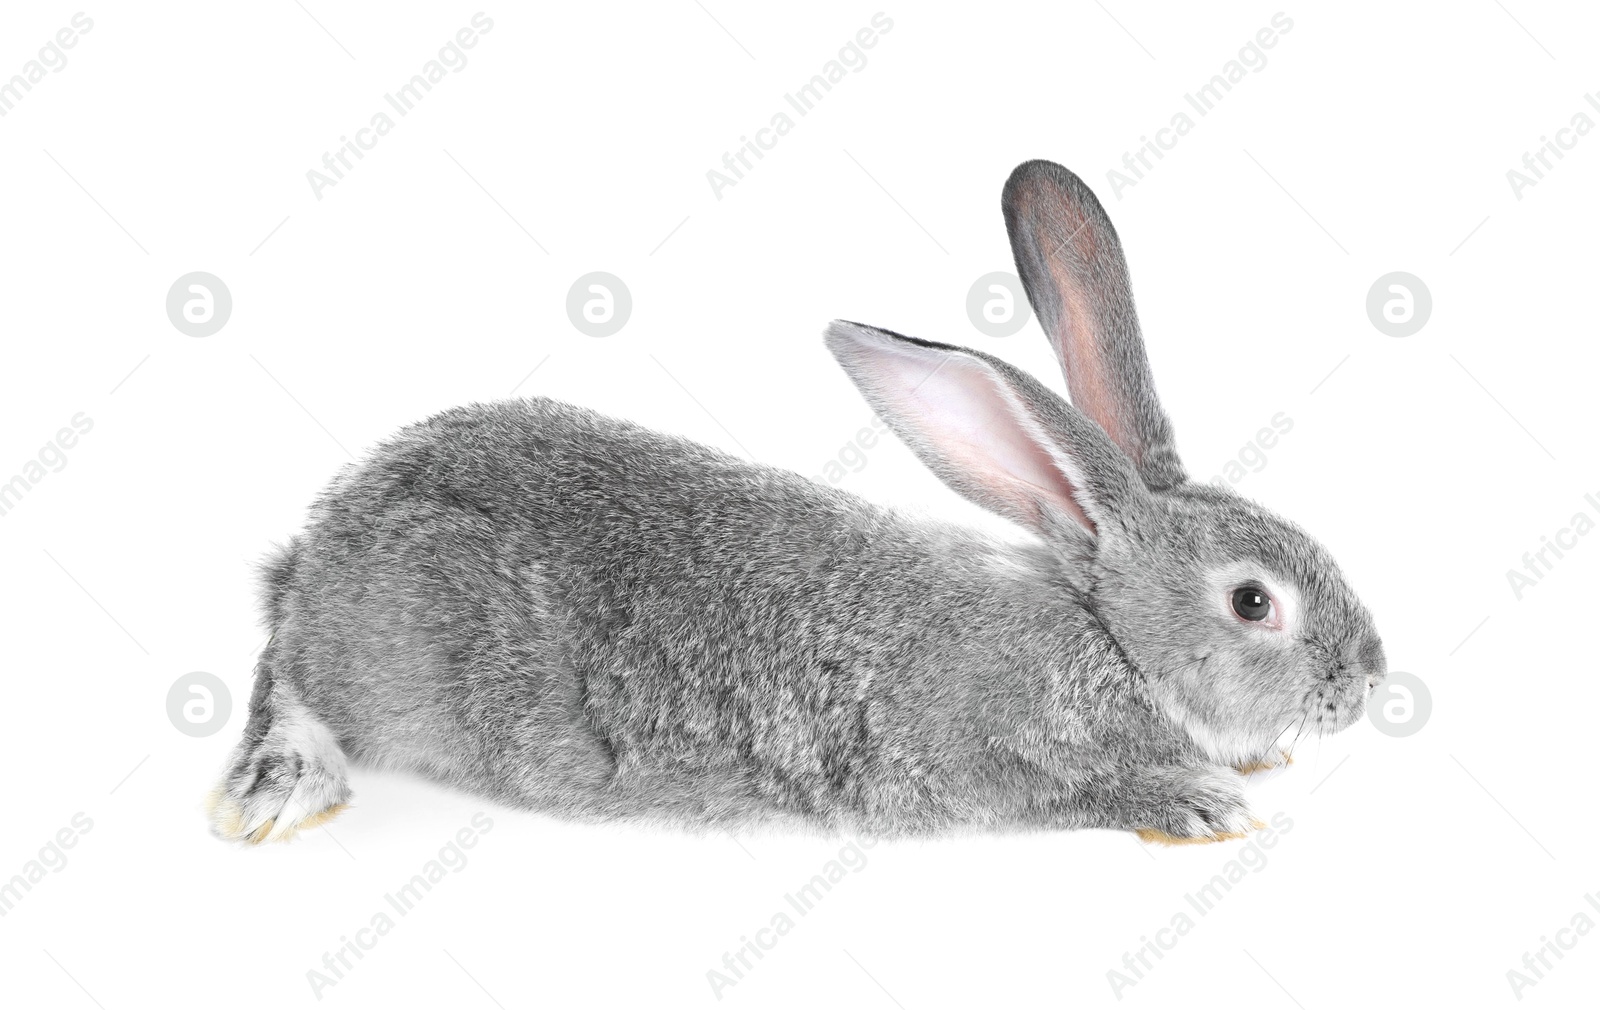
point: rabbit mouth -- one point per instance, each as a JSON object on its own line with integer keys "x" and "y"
{"x": 1335, "y": 705}
{"x": 1333, "y": 702}
{"x": 1327, "y": 707}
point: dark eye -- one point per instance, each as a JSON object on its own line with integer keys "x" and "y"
{"x": 1252, "y": 603}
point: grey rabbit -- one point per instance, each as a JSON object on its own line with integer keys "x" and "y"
{"x": 568, "y": 613}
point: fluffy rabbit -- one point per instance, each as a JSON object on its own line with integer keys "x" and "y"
{"x": 569, "y": 613}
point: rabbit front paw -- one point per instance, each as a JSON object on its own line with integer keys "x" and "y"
{"x": 1207, "y": 806}
{"x": 1266, "y": 763}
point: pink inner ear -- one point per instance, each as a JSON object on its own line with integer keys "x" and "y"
{"x": 1077, "y": 344}
{"x": 967, "y": 414}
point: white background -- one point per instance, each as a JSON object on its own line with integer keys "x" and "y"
{"x": 1377, "y": 138}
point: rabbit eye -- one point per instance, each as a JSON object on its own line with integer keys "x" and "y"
{"x": 1251, "y": 603}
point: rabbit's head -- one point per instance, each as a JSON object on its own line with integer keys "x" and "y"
{"x": 1240, "y": 623}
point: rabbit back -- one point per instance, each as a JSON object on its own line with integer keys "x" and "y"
{"x": 574, "y": 613}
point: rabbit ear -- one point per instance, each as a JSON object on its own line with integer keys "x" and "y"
{"x": 990, "y": 431}
{"x": 1072, "y": 266}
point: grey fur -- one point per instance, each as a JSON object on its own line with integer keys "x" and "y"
{"x": 573, "y": 614}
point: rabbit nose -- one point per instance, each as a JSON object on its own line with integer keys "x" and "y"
{"x": 1373, "y": 660}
